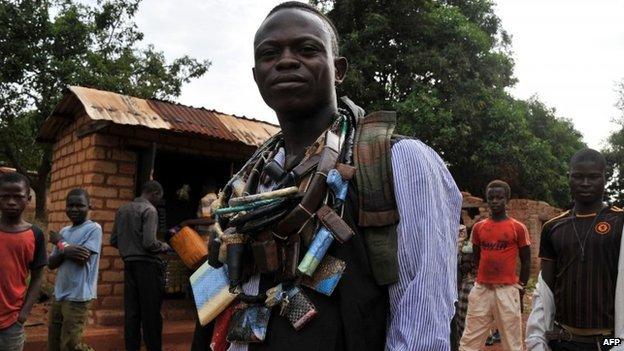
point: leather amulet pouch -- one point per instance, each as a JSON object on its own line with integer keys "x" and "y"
{"x": 298, "y": 308}
{"x": 265, "y": 254}
{"x": 249, "y": 323}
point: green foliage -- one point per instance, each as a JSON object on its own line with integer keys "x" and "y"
{"x": 443, "y": 65}
{"x": 47, "y": 45}
{"x": 614, "y": 153}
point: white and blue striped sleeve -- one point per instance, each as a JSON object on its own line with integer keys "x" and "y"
{"x": 429, "y": 204}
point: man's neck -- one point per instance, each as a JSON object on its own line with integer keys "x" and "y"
{"x": 497, "y": 217}
{"x": 12, "y": 223}
{"x": 75, "y": 224}
{"x": 583, "y": 208}
{"x": 301, "y": 130}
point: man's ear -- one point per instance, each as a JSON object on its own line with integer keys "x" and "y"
{"x": 253, "y": 72}
{"x": 340, "y": 67}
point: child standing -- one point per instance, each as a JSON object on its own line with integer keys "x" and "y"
{"x": 22, "y": 252}
{"x": 76, "y": 255}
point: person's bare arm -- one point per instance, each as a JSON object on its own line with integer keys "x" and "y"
{"x": 476, "y": 252}
{"x": 36, "y": 276}
{"x": 55, "y": 260}
{"x": 548, "y": 273}
{"x": 525, "y": 264}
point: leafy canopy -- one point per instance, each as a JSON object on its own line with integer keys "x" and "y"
{"x": 47, "y": 45}
{"x": 614, "y": 153}
{"x": 444, "y": 65}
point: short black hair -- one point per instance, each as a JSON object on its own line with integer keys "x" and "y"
{"x": 79, "y": 192}
{"x": 497, "y": 183}
{"x": 309, "y": 8}
{"x": 590, "y": 155}
{"x": 151, "y": 187}
{"x": 15, "y": 177}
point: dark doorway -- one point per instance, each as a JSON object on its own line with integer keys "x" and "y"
{"x": 186, "y": 179}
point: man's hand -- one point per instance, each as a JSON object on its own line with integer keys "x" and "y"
{"x": 165, "y": 247}
{"x": 54, "y": 237}
{"x": 21, "y": 319}
{"x": 77, "y": 253}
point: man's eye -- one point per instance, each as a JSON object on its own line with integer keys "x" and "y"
{"x": 268, "y": 53}
{"x": 309, "y": 50}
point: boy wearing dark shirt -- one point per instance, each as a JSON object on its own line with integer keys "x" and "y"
{"x": 134, "y": 234}
{"x": 22, "y": 252}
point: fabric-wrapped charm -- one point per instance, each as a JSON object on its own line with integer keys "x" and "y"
{"x": 249, "y": 323}
{"x": 297, "y": 308}
{"x": 317, "y": 250}
{"x": 213, "y": 251}
{"x": 211, "y": 292}
{"x": 326, "y": 276}
{"x": 235, "y": 251}
{"x": 265, "y": 253}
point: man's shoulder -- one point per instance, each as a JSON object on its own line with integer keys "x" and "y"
{"x": 92, "y": 227}
{"x": 480, "y": 224}
{"x": 557, "y": 220}
{"x": 134, "y": 206}
{"x": 617, "y": 210}
{"x": 517, "y": 223}
{"x": 415, "y": 152}
{"x": 38, "y": 232}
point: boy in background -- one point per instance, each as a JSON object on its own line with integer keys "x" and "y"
{"x": 76, "y": 255}
{"x": 495, "y": 298}
{"x": 22, "y": 252}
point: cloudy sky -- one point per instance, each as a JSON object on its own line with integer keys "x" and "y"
{"x": 570, "y": 53}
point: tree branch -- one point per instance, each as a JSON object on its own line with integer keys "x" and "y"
{"x": 10, "y": 154}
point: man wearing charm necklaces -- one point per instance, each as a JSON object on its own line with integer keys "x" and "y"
{"x": 580, "y": 251}
{"x": 380, "y": 214}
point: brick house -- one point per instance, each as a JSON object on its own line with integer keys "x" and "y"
{"x": 110, "y": 144}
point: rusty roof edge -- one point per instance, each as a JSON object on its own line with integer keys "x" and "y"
{"x": 49, "y": 129}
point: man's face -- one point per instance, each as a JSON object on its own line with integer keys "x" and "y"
{"x": 14, "y": 197}
{"x": 587, "y": 181}
{"x": 295, "y": 69}
{"x": 496, "y": 199}
{"x": 155, "y": 197}
{"x": 77, "y": 208}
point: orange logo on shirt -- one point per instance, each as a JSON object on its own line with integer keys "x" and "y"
{"x": 603, "y": 228}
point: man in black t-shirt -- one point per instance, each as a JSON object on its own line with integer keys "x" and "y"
{"x": 580, "y": 251}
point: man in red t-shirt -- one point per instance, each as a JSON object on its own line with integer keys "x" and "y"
{"x": 22, "y": 252}
{"x": 495, "y": 298}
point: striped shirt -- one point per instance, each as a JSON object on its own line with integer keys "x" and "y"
{"x": 429, "y": 204}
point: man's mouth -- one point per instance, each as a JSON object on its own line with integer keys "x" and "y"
{"x": 288, "y": 81}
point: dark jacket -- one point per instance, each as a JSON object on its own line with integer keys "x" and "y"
{"x": 134, "y": 231}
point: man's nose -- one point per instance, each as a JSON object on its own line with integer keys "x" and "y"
{"x": 287, "y": 60}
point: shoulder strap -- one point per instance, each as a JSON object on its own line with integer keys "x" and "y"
{"x": 372, "y": 158}
{"x": 378, "y": 214}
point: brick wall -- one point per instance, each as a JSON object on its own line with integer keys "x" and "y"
{"x": 107, "y": 172}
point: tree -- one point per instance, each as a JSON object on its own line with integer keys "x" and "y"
{"x": 614, "y": 153}
{"x": 443, "y": 65}
{"x": 47, "y": 45}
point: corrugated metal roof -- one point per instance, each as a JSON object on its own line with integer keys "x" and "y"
{"x": 155, "y": 114}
